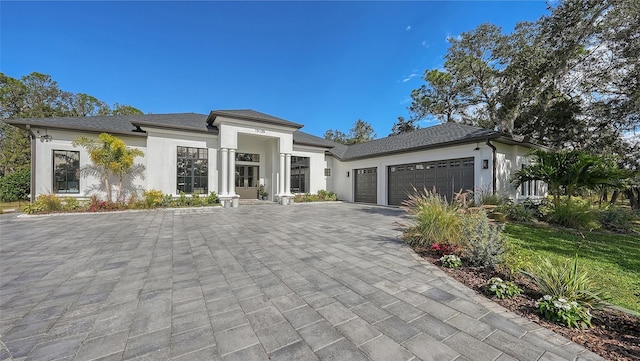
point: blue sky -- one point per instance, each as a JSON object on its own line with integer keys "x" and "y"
{"x": 322, "y": 64}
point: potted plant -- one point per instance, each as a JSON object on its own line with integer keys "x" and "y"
{"x": 262, "y": 193}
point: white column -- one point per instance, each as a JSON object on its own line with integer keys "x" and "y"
{"x": 223, "y": 169}
{"x": 282, "y": 176}
{"x": 232, "y": 172}
{"x": 287, "y": 174}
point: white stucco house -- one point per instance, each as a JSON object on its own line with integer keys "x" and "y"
{"x": 233, "y": 152}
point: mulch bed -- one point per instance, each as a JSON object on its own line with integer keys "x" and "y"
{"x": 615, "y": 335}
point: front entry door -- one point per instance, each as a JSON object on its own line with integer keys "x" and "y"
{"x": 247, "y": 181}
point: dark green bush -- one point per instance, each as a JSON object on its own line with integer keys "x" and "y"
{"x": 618, "y": 219}
{"x": 574, "y": 214}
{"x": 520, "y": 213}
{"x": 15, "y": 186}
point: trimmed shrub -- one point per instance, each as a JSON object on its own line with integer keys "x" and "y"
{"x": 71, "y": 204}
{"x": 327, "y": 195}
{"x": 15, "y": 186}
{"x": 152, "y": 198}
{"x": 484, "y": 244}
{"x": 433, "y": 220}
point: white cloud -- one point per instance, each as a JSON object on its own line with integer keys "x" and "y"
{"x": 408, "y": 28}
{"x": 425, "y": 44}
{"x": 410, "y": 76}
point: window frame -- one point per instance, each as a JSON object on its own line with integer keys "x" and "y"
{"x": 191, "y": 163}
{"x": 74, "y": 173}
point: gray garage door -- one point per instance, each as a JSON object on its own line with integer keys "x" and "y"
{"x": 366, "y": 185}
{"x": 448, "y": 176}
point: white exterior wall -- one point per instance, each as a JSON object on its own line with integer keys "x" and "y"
{"x": 344, "y": 185}
{"x": 61, "y": 140}
{"x": 162, "y": 152}
{"x": 317, "y": 164}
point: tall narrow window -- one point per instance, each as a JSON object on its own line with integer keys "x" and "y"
{"x": 193, "y": 172}
{"x": 300, "y": 174}
{"x": 65, "y": 171}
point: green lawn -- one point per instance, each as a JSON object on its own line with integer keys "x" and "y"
{"x": 613, "y": 260}
{"x": 12, "y": 205}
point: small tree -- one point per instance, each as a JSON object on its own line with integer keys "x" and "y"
{"x": 110, "y": 157}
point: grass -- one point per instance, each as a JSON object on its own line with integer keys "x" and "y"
{"x": 12, "y": 205}
{"x": 613, "y": 260}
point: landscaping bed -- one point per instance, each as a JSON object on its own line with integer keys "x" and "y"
{"x": 615, "y": 335}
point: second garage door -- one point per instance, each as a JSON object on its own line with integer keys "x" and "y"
{"x": 366, "y": 187}
{"x": 448, "y": 176}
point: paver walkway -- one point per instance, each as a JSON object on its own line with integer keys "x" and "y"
{"x": 303, "y": 282}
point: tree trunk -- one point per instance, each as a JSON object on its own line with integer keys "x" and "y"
{"x": 119, "y": 189}
{"x": 614, "y": 197}
{"x": 633, "y": 194}
{"x": 108, "y": 188}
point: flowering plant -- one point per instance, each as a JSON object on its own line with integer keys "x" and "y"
{"x": 502, "y": 289}
{"x": 451, "y": 261}
{"x": 569, "y": 313}
{"x": 443, "y": 248}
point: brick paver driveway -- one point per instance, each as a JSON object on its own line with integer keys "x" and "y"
{"x": 304, "y": 282}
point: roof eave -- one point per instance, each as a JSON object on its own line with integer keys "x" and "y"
{"x": 210, "y": 128}
{"x": 214, "y": 114}
{"x": 22, "y": 125}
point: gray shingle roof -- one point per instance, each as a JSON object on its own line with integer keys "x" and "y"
{"x": 435, "y": 136}
{"x": 300, "y": 137}
{"x": 251, "y": 115}
{"x": 120, "y": 124}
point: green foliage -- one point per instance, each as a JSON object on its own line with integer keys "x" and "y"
{"x": 71, "y": 204}
{"x": 327, "y": 195}
{"x": 111, "y": 157}
{"x": 568, "y": 313}
{"x": 502, "y": 289}
{"x": 33, "y": 208}
{"x": 38, "y": 96}
{"x": 152, "y": 198}
{"x": 404, "y": 126}
{"x": 321, "y": 196}
{"x": 451, "y": 261}
{"x": 432, "y": 220}
{"x": 574, "y": 213}
{"x": 360, "y": 132}
{"x": 568, "y": 172}
{"x": 619, "y": 219}
{"x": 520, "y": 213}
{"x": 615, "y": 258}
{"x": 15, "y": 186}
{"x": 484, "y": 245}
{"x": 565, "y": 281}
{"x": 212, "y": 198}
{"x": 50, "y": 202}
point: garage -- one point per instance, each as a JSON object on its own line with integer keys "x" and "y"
{"x": 366, "y": 185}
{"x": 448, "y": 176}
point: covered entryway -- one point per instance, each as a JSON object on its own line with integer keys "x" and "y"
{"x": 447, "y": 176}
{"x": 247, "y": 181}
{"x": 366, "y": 185}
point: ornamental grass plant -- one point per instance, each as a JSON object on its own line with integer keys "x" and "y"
{"x": 566, "y": 281}
{"x": 433, "y": 220}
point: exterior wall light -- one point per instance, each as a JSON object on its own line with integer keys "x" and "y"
{"x": 485, "y": 164}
